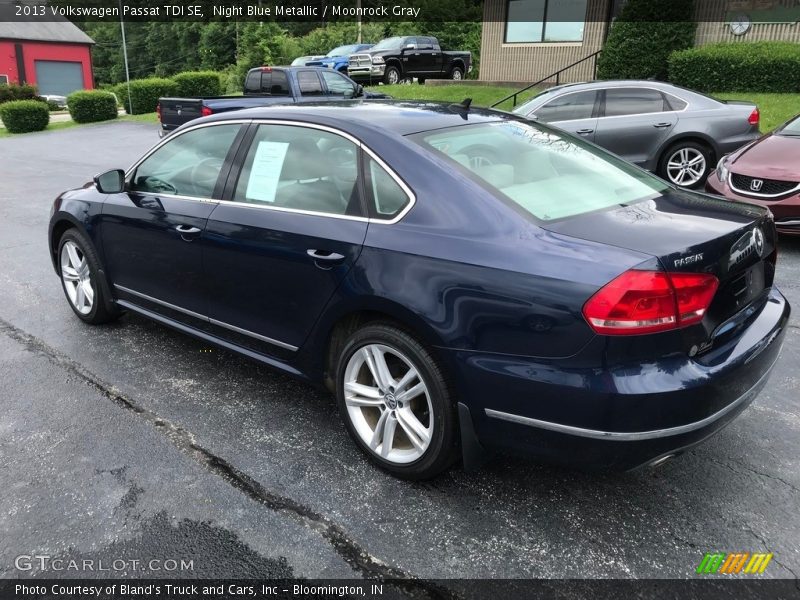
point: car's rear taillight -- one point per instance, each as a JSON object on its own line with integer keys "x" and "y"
{"x": 755, "y": 117}
{"x": 205, "y": 111}
{"x": 158, "y": 111}
{"x": 639, "y": 302}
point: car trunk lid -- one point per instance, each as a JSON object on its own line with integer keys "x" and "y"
{"x": 692, "y": 233}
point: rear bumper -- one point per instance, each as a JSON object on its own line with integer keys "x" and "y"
{"x": 786, "y": 210}
{"x": 625, "y": 417}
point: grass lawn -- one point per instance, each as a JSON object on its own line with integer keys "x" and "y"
{"x": 482, "y": 95}
{"x": 146, "y": 118}
{"x": 775, "y": 108}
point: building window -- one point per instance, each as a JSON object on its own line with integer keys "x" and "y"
{"x": 3, "y": 79}
{"x": 533, "y": 21}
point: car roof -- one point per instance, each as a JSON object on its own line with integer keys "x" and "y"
{"x": 401, "y": 117}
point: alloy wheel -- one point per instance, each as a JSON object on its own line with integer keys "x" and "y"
{"x": 388, "y": 403}
{"x": 394, "y": 76}
{"x": 77, "y": 277}
{"x": 457, "y": 76}
{"x": 686, "y": 167}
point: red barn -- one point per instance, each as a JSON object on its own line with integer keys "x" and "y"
{"x": 56, "y": 57}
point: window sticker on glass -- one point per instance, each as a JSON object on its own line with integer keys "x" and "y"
{"x": 266, "y": 170}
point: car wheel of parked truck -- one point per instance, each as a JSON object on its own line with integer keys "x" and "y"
{"x": 395, "y": 402}
{"x": 391, "y": 76}
{"x": 457, "y": 74}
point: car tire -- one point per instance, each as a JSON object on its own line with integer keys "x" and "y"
{"x": 421, "y": 80}
{"x": 81, "y": 279}
{"x": 457, "y": 73}
{"x": 676, "y": 164}
{"x": 392, "y": 75}
{"x": 405, "y": 423}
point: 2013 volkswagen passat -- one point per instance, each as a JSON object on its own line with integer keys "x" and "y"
{"x": 460, "y": 279}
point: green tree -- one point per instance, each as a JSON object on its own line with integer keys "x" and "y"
{"x": 643, "y": 37}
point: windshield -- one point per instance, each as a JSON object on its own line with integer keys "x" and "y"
{"x": 548, "y": 175}
{"x": 342, "y": 51}
{"x": 525, "y": 108}
{"x": 791, "y": 128}
{"x": 388, "y": 43}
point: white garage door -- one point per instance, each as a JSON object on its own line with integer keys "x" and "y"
{"x": 58, "y": 77}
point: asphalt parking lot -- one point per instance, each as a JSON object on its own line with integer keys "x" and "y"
{"x": 132, "y": 441}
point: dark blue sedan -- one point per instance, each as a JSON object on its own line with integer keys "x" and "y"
{"x": 461, "y": 279}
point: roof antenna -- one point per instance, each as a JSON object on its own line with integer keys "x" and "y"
{"x": 462, "y": 108}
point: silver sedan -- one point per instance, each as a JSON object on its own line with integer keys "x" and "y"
{"x": 674, "y": 132}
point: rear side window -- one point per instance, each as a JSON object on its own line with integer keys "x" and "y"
{"x": 309, "y": 83}
{"x": 387, "y": 195}
{"x": 548, "y": 175}
{"x": 675, "y": 103}
{"x": 569, "y": 107}
{"x": 633, "y": 101}
{"x": 187, "y": 165}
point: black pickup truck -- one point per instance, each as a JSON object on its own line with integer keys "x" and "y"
{"x": 397, "y": 58}
{"x": 264, "y": 86}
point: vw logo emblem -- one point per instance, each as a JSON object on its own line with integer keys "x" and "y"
{"x": 756, "y": 184}
{"x": 391, "y": 401}
{"x": 758, "y": 241}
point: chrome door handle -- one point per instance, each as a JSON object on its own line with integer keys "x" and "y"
{"x": 662, "y": 125}
{"x": 584, "y": 131}
{"x": 187, "y": 232}
{"x": 330, "y": 257}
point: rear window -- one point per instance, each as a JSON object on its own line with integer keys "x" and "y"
{"x": 549, "y": 176}
{"x": 269, "y": 83}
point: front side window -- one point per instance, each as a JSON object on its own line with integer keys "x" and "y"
{"x": 187, "y": 165}
{"x": 634, "y": 101}
{"x": 534, "y": 21}
{"x": 338, "y": 85}
{"x": 301, "y": 168}
{"x": 309, "y": 83}
{"x": 548, "y": 175}
{"x": 569, "y": 107}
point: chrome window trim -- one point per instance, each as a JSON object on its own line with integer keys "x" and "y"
{"x": 794, "y": 190}
{"x": 206, "y": 318}
{"x": 176, "y": 135}
{"x": 412, "y": 198}
{"x": 627, "y": 87}
{"x": 632, "y": 436}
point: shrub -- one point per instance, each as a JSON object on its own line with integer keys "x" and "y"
{"x": 198, "y": 83}
{"x": 145, "y": 94}
{"x": 11, "y": 91}
{"x": 91, "y": 106}
{"x": 642, "y": 38}
{"x": 738, "y": 67}
{"x": 22, "y": 116}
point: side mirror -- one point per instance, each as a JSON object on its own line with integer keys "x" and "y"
{"x": 359, "y": 91}
{"x": 409, "y": 47}
{"x": 110, "y": 182}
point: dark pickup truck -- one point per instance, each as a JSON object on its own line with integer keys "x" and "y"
{"x": 264, "y": 86}
{"x": 397, "y": 58}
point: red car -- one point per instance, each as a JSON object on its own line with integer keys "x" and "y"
{"x": 765, "y": 172}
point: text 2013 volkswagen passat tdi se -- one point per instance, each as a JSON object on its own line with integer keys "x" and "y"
{"x": 458, "y": 278}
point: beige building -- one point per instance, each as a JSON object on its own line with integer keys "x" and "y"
{"x": 528, "y": 40}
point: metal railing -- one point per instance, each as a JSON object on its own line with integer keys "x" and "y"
{"x": 557, "y": 75}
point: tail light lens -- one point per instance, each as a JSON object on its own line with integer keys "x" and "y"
{"x": 205, "y": 111}
{"x": 158, "y": 111}
{"x": 639, "y": 302}
{"x": 755, "y": 117}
